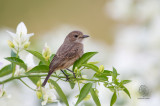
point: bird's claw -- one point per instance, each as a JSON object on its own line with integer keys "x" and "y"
{"x": 67, "y": 78}
{"x": 74, "y": 75}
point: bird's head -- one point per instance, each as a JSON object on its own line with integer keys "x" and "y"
{"x": 76, "y": 36}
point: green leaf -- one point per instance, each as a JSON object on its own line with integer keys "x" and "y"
{"x": 60, "y": 92}
{"x": 95, "y": 97}
{"x": 114, "y": 73}
{"x": 91, "y": 66}
{"x": 39, "y": 56}
{"x": 114, "y": 76}
{"x": 125, "y": 81}
{"x": 6, "y": 70}
{"x": 126, "y": 91}
{"x": 13, "y": 54}
{"x": 34, "y": 79}
{"x": 82, "y": 60}
{"x": 101, "y": 77}
{"x": 113, "y": 99}
{"x": 51, "y": 57}
{"x": 72, "y": 84}
{"x": 17, "y": 61}
{"x": 96, "y": 62}
{"x": 41, "y": 63}
{"x": 84, "y": 92}
{"x": 107, "y": 73}
{"x": 39, "y": 69}
{"x": 111, "y": 88}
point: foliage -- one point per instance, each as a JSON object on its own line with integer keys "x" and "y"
{"x": 39, "y": 72}
{"x": 99, "y": 76}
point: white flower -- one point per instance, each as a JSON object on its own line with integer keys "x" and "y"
{"x": 29, "y": 61}
{"x": 2, "y": 92}
{"x": 46, "y": 52}
{"x": 20, "y": 38}
{"x": 48, "y": 96}
{"x": 18, "y": 71}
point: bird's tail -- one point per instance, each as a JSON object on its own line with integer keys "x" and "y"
{"x": 46, "y": 79}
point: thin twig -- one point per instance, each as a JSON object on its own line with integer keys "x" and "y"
{"x": 27, "y": 85}
{"x": 79, "y": 86}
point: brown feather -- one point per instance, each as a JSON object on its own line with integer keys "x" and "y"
{"x": 65, "y": 59}
{"x": 67, "y": 54}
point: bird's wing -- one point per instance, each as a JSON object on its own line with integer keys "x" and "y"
{"x": 66, "y": 53}
{"x": 75, "y": 51}
{"x": 55, "y": 62}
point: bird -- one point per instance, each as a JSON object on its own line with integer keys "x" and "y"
{"x": 67, "y": 54}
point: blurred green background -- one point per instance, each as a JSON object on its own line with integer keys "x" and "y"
{"x": 124, "y": 32}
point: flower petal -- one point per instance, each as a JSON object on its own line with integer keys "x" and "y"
{"x": 44, "y": 103}
{"x": 21, "y": 28}
{"x": 29, "y": 35}
{"x": 12, "y": 34}
{"x": 30, "y": 61}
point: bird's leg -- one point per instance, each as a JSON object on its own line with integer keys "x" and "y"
{"x": 72, "y": 72}
{"x": 67, "y": 78}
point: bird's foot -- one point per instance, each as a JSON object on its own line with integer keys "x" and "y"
{"x": 74, "y": 75}
{"x": 67, "y": 78}
{"x": 72, "y": 72}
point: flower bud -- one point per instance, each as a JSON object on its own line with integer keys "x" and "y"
{"x": 78, "y": 73}
{"x": 75, "y": 70}
{"x": 76, "y": 96}
{"x": 96, "y": 91}
{"x": 39, "y": 94}
{"x": 51, "y": 86}
{"x": 10, "y": 44}
{"x": 2, "y": 92}
{"x": 46, "y": 52}
{"x": 39, "y": 83}
{"x": 101, "y": 69}
{"x": 87, "y": 97}
{"x": 26, "y": 45}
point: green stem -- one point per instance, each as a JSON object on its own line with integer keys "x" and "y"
{"x": 13, "y": 69}
{"x": 57, "y": 79}
{"x": 27, "y": 85}
{"x": 95, "y": 85}
{"x": 14, "y": 65}
{"x": 79, "y": 86}
{"x": 34, "y": 75}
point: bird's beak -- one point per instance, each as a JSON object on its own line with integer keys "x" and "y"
{"x": 85, "y": 36}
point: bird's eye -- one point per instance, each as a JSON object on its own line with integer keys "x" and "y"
{"x": 75, "y": 36}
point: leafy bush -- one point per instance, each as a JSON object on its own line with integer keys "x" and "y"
{"x": 19, "y": 69}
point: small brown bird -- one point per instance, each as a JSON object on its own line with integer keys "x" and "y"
{"x": 67, "y": 54}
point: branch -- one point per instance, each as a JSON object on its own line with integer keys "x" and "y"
{"x": 42, "y": 75}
